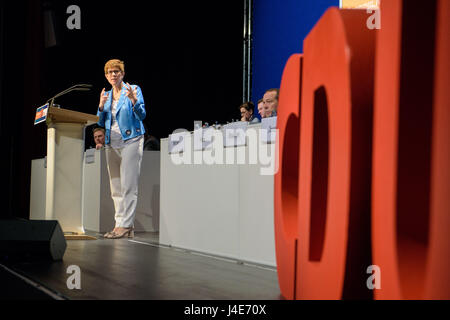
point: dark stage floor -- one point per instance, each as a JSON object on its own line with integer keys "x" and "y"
{"x": 141, "y": 269}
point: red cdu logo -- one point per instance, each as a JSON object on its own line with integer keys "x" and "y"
{"x": 364, "y": 142}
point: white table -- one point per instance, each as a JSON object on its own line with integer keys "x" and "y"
{"x": 223, "y": 210}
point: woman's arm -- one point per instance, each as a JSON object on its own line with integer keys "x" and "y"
{"x": 103, "y": 98}
{"x": 137, "y": 100}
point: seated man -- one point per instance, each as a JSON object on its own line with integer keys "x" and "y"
{"x": 261, "y": 110}
{"x": 270, "y": 100}
{"x": 99, "y": 137}
{"x": 247, "y": 112}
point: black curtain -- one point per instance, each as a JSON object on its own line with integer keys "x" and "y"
{"x": 21, "y": 54}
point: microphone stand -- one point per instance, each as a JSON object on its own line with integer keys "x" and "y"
{"x": 77, "y": 87}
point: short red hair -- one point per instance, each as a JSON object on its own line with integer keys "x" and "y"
{"x": 114, "y": 63}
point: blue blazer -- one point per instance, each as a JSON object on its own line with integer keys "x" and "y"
{"x": 129, "y": 117}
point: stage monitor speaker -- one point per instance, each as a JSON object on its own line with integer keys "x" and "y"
{"x": 31, "y": 240}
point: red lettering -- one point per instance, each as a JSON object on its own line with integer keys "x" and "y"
{"x": 364, "y": 173}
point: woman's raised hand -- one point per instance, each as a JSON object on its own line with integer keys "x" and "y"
{"x": 131, "y": 93}
{"x": 103, "y": 98}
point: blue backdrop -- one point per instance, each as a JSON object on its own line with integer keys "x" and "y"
{"x": 279, "y": 28}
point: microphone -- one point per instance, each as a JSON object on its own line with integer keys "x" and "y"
{"x": 77, "y": 87}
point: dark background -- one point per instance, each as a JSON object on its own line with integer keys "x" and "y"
{"x": 186, "y": 57}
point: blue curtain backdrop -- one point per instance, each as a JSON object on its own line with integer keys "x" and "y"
{"x": 279, "y": 28}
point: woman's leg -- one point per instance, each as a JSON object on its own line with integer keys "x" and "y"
{"x": 129, "y": 172}
{"x": 113, "y": 160}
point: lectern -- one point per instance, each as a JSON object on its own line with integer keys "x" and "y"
{"x": 65, "y": 152}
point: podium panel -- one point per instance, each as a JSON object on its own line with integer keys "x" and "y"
{"x": 65, "y": 151}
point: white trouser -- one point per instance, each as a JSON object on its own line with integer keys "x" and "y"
{"x": 124, "y": 167}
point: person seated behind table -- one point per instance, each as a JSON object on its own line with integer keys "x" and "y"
{"x": 264, "y": 110}
{"x": 99, "y": 137}
{"x": 270, "y": 100}
{"x": 150, "y": 142}
{"x": 261, "y": 111}
{"x": 247, "y": 112}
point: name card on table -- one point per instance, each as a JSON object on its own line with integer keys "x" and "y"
{"x": 234, "y": 134}
{"x": 268, "y": 130}
{"x": 204, "y": 138}
{"x": 90, "y": 156}
{"x": 177, "y": 142}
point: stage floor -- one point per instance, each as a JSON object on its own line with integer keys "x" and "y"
{"x": 141, "y": 269}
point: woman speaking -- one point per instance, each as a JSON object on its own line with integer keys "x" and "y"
{"x": 121, "y": 111}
